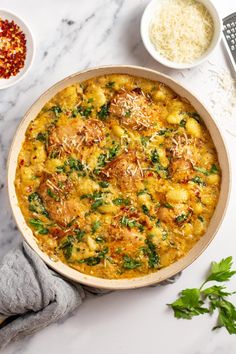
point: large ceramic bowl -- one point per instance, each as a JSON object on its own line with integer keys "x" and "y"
{"x": 164, "y": 273}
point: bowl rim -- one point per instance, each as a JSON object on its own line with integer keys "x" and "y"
{"x": 164, "y": 273}
{"x": 32, "y": 47}
{"x": 144, "y": 24}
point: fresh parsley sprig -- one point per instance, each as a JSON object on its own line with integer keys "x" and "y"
{"x": 197, "y": 301}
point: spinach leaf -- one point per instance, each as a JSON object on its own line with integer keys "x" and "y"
{"x": 103, "y": 184}
{"x": 95, "y": 226}
{"x": 67, "y": 246}
{"x": 198, "y": 181}
{"x": 39, "y": 226}
{"x": 110, "y": 84}
{"x": 130, "y": 263}
{"x": 121, "y": 201}
{"x": 56, "y": 110}
{"x": 79, "y": 234}
{"x": 36, "y": 204}
{"x": 104, "y": 111}
{"x": 152, "y": 254}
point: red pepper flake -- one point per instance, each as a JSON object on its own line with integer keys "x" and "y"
{"x": 150, "y": 174}
{"x": 12, "y": 49}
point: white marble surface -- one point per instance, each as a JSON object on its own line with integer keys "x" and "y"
{"x": 70, "y": 36}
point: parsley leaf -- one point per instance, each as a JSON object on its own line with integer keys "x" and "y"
{"x": 189, "y": 304}
{"x": 227, "y": 315}
{"x": 221, "y": 271}
{"x": 191, "y": 301}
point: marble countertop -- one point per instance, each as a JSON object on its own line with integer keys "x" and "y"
{"x": 70, "y": 36}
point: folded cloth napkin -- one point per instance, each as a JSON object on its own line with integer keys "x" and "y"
{"x": 32, "y": 296}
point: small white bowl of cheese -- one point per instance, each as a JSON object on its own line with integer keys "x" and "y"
{"x": 181, "y": 34}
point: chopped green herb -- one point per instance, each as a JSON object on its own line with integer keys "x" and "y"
{"x": 96, "y": 197}
{"x": 162, "y": 171}
{"x": 168, "y": 206}
{"x": 182, "y": 123}
{"x": 56, "y": 110}
{"x": 110, "y": 84}
{"x": 102, "y": 160}
{"x": 128, "y": 113}
{"x": 92, "y": 261}
{"x": 43, "y": 137}
{"x": 79, "y": 234}
{"x": 100, "y": 239}
{"x": 144, "y": 140}
{"x": 95, "y": 226}
{"x": 145, "y": 210}
{"x": 125, "y": 221}
{"x": 36, "y": 204}
{"x": 67, "y": 246}
{"x": 104, "y": 111}
{"x": 164, "y": 235}
{"x": 130, "y": 263}
{"x": 214, "y": 169}
{"x": 39, "y": 226}
{"x": 151, "y": 253}
{"x": 198, "y": 181}
{"x": 121, "y": 201}
{"x": 164, "y": 131}
{"x": 181, "y": 218}
{"x": 143, "y": 191}
{"x": 53, "y": 195}
{"x": 61, "y": 169}
{"x": 85, "y": 111}
{"x": 97, "y": 204}
{"x": 103, "y": 184}
{"x": 113, "y": 151}
{"x": 74, "y": 112}
{"x": 154, "y": 156}
{"x": 102, "y": 253}
{"x": 74, "y": 164}
{"x": 202, "y": 170}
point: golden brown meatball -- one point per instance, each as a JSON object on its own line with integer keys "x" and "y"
{"x": 123, "y": 171}
{"x": 69, "y": 138}
{"x": 54, "y": 190}
{"x": 181, "y": 170}
{"x": 132, "y": 108}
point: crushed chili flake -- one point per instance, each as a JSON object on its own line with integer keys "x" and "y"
{"x": 12, "y": 49}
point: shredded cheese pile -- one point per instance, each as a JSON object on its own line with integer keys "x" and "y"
{"x": 181, "y": 30}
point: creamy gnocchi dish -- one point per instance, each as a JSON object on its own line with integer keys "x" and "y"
{"x": 117, "y": 177}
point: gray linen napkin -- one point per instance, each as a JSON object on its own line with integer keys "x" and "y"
{"x": 32, "y": 296}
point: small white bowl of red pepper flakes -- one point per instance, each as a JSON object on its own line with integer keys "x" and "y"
{"x": 16, "y": 49}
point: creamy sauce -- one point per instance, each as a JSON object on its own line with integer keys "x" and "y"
{"x": 117, "y": 177}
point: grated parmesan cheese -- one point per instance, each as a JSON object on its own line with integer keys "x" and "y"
{"x": 181, "y": 30}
